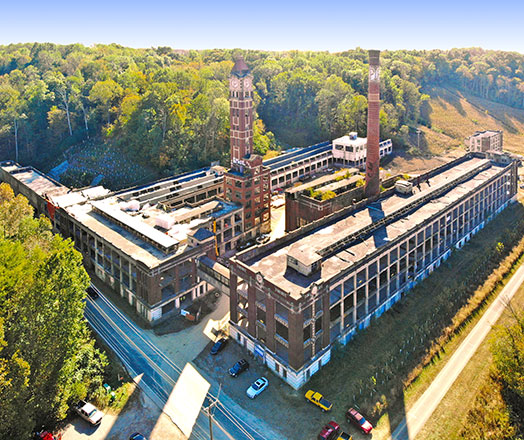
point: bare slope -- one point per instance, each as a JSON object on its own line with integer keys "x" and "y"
{"x": 455, "y": 115}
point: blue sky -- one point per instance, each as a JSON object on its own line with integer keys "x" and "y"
{"x": 274, "y": 25}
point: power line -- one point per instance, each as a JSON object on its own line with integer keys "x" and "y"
{"x": 209, "y": 411}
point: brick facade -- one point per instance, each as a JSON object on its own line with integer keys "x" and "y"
{"x": 247, "y": 183}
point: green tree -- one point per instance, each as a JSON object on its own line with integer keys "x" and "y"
{"x": 47, "y": 359}
{"x": 105, "y": 93}
{"x": 11, "y": 110}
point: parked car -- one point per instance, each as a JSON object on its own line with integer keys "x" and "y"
{"x": 44, "y": 435}
{"x": 218, "y": 346}
{"x": 329, "y": 431}
{"x": 245, "y": 245}
{"x": 89, "y": 412}
{"x": 239, "y": 367}
{"x": 257, "y": 387}
{"x": 92, "y": 292}
{"x": 357, "y": 419}
{"x": 137, "y": 436}
{"x": 264, "y": 238}
{"x": 344, "y": 436}
{"x": 318, "y": 399}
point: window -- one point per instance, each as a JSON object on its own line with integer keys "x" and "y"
{"x": 306, "y": 314}
{"x": 361, "y": 277}
{"x": 335, "y": 294}
{"x": 261, "y": 315}
{"x": 334, "y": 313}
{"x": 348, "y": 303}
{"x": 318, "y": 325}
{"x": 349, "y": 285}
{"x": 281, "y": 330}
{"x": 307, "y": 333}
{"x": 361, "y": 294}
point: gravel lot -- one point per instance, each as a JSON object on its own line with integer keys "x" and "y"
{"x": 140, "y": 414}
{"x": 279, "y": 405}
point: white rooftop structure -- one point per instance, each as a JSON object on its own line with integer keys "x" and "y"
{"x": 351, "y": 150}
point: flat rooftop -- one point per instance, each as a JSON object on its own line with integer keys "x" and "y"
{"x": 166, "y": 190}
{"x": 296, "y": 155}
{"x": 323, "y": 181}
{"x": 34, "y": 179}
{"x": 147, "y": 233}
{"x": 332, "y": 241}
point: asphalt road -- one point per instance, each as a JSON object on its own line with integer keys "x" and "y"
{"x": 158, "y": 374}
{"x": 421, "y": 411}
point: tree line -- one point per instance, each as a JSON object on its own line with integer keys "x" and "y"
{"x": 169, "y": 108}
{"x": 48, "y": 359}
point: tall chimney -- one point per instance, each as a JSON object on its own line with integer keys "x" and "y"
{"x": 373, "y": 155}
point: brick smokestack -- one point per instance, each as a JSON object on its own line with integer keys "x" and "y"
{"x": 373, "y": 155}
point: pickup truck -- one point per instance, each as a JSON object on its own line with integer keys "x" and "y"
{"x": 318, "y": 399}
{"x": 89, "y": 412}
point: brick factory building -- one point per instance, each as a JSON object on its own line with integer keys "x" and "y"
{"x": 323, "y": 196}
{"x": 293, "y": 298}
{"x": 143, "y": 242}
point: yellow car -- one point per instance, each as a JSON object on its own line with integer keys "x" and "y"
{"x": 318, "y": 399}
{"x": 344, "y": 436}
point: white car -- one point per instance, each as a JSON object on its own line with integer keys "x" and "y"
{"x": 89, "y": 412}
{"x": 257, "y": 387}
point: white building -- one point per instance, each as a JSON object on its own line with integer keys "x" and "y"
{"x": 482, "y": 141}
{"x": 351, "y": 150}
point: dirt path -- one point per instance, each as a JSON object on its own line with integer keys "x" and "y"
{"x": 428, "y": 402}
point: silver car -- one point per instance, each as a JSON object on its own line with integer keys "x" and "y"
{"x": 257, "y": 387}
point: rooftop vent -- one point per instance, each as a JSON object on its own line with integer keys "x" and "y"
{"x": 303, "y": 259}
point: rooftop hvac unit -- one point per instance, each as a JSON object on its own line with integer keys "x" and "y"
{"x": 403, "y": 187}
{"x": 132, "y": 205}
{"x": 164, "y": 221}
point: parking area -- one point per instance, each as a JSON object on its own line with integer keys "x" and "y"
{"x": 139, "y": 415}
{"x": 285, "y": 409}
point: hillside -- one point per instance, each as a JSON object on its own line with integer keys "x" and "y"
{"x": 454, "y": 115}
{"x": 165, "y": 111}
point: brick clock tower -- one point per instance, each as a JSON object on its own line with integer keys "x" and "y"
{"x": 247, "y": 182}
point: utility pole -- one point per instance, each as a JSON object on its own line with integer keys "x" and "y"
{"x": 418, "y": 139}
{"x": 209, "y": 411}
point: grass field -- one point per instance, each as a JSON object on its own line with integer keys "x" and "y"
{"x": 450, "y": 415}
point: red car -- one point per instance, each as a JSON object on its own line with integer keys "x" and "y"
{"x": 358, "y": 420}
{"x": 330, "y": 431}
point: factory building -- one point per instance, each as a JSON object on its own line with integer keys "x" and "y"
{"x": 293, "y": 298}
{"x": 298, "y": 164}
{"x": 143, "y": 242}
{"x": 324, "y": 195}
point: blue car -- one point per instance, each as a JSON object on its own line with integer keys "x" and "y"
{"x": 218, "y": 346}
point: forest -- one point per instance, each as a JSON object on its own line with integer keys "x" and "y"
{"x": 48, "y": 357}
{"x": 168, "y": 109}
